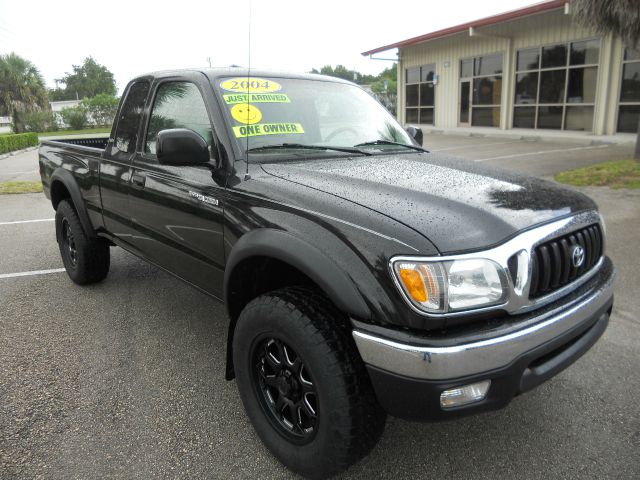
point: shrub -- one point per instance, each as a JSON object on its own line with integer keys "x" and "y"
{"x": 75, "y": 117}
{"x": 10, "y": 143}
{"x": 39, "y": 122}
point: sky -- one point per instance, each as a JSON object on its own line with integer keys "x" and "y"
{"x": 138, "y": 36}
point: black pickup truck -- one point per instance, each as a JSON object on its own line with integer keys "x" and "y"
{"x": 362, "y": 274}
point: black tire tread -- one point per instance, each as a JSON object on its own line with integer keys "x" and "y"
{"x": 325, "y": 323}
{"x": 94, "y": 264}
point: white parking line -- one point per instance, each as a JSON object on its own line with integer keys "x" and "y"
{"x": 28, "y": 221}
{"x": 542, "y": 152}
{"x": 460, "y": 147}
{"x": 33, "y": 272}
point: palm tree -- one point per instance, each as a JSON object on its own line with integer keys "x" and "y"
{"x": 616, "y": 17}
{"x": 22, "y": 88}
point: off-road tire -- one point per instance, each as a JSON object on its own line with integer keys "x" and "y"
{"x": 349, "y": 418}
{"x": 87, "y": 261}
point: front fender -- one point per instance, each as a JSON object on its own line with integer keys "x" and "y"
{"x": 280, "y": 245}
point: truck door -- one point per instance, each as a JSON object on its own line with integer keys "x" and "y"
{"x": 115, "y": 166}
{"x": 177, "y": 211}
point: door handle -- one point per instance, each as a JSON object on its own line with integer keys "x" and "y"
{"x": 138, "y": 179}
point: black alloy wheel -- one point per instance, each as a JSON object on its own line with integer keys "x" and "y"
{"x": 69, "y": 242}
{"x": 285, "y": 389}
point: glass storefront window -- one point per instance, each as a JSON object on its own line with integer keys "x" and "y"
{"x": 629, "y": 104}
{"x": 485, "y": 116}
{"x": 554, "y": 56}
{"x": 560, "y": 88}
{"x": 552, "y": 86}
{"x": 526, "y": 88}
{"x": 585, "y": 53}
{"x": 528, "y": 59}
{"x": 524, "y": 117}
{"x": 466, "y": 68}
{"x": 582, "y": 85}
{"x": 420, "y": 92}
{"x": 550, "y": 117}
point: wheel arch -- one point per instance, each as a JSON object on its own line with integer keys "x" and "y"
{"x": 65, "y": 187}
{"x": 291, "y": 258}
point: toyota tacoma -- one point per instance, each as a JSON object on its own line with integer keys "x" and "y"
{"x": 362, "y": 275}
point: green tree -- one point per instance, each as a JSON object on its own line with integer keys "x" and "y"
{"x": 22, "y": 89}
{"x": 86, "y": 81}
{"x": 340, "y": 71}
{"x": 44, "y": 121}
{"x": 101, "y": 108}
{"x": 75, "y": 117}
{"x": 390, "y": 75}
{"x": 619, "y": 17}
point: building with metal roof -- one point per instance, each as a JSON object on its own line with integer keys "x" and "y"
{"x": 531, "y": 68}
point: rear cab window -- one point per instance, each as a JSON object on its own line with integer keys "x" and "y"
{"x": 126, "y": 135}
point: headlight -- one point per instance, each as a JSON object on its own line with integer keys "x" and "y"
{"x": 452, "y": 285}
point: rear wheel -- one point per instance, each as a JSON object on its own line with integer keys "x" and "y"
{"x": 303, "y": 384}
{"x": 85, "y": 259}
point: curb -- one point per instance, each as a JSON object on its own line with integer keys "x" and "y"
{"x": 17, "y": 152}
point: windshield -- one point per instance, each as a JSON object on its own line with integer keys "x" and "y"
{"x": 269, "y": 114}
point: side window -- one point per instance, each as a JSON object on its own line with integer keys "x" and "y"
{"x": 129, "y": 120}
{"x": 178, "y": 105}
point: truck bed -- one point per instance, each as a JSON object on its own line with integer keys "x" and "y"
{"x": 99, "y": 143}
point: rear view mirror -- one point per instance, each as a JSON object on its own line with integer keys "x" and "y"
{"x": 416, "y": 134}
{"x": 181, "y": 146}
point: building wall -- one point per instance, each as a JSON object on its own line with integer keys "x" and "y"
{"x": 507, "y": 38}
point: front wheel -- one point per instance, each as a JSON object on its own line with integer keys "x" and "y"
{"x": 303, "y": 384}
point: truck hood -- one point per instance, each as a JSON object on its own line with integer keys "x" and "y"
{"x": 458, "y": 205}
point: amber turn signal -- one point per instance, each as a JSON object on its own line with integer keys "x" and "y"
{"x": 413, "y": 284}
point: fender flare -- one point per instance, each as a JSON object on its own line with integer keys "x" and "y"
{"x": 281, "y": 245}
{"x": 70, "y": 183}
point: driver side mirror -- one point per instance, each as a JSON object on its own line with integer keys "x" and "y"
{"x": 416, "y": 134}
{"x": 181, "y": 146}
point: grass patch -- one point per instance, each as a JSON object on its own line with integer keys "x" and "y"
{"x": 75, "y": 132}
{"x": 20, "y": 187}
{"x": 614, "y": 174}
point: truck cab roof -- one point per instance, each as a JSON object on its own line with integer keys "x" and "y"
{"x": 219, "y": 72}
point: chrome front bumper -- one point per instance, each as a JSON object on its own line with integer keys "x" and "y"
{"x": 435, "y": 363}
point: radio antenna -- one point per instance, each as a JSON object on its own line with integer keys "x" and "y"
{"x": 246, "y": 174}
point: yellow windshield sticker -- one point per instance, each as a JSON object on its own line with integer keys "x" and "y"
{"x": 250, "y": 85}
{"x": 246, "y": 113}
{"x": 268, "y": 129}
{"x": 231, "y": 98}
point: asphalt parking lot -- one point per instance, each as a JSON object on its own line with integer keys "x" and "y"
{"x": 125, "y": 378}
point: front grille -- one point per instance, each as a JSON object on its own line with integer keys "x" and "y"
{"x": 551, "y": 263}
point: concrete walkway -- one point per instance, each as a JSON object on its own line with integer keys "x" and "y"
{"x": 581, "y": 138}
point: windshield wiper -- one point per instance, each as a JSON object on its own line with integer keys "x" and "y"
{"x": 301, "y": 146}
{"x": 387, "y": 142}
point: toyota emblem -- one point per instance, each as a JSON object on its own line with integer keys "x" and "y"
{"x": 577, "y": 256}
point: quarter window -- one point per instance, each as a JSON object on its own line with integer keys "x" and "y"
{"x": 420, "y": 94}
{"x": 178, "y": 105}
{"x": 129, "y": 120}
{"x": 556, "y": 86}
{"x": 629, "y": 106}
